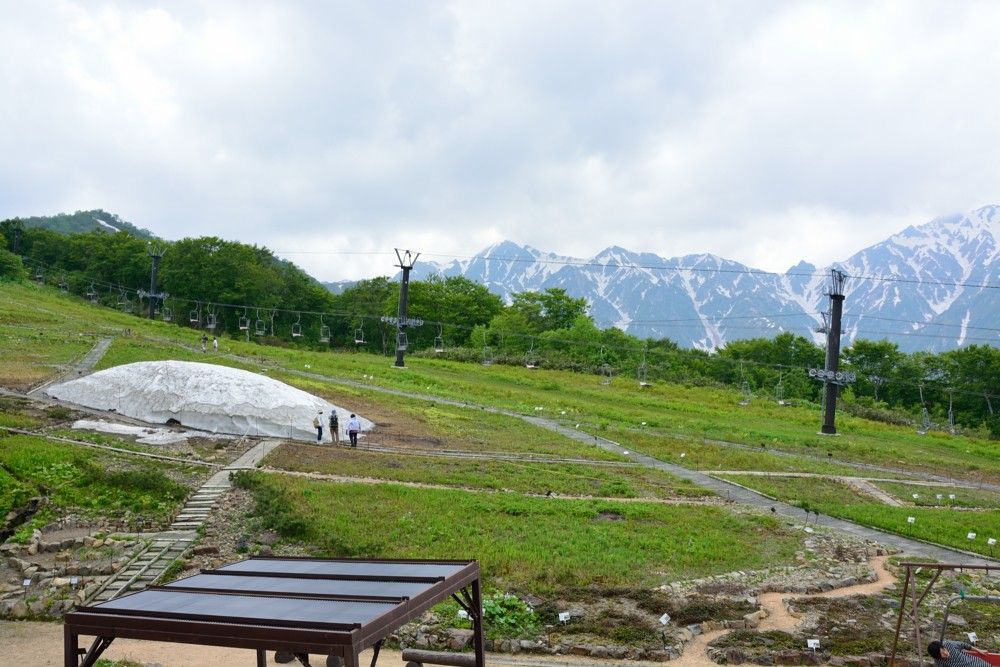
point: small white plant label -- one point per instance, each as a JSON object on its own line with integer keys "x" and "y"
{"x": 939, "y": 496}
{"x": 972, "y": 637}
{"x": 625, "y": 452}
{"x": 664, "y": 619}
{"x": 564, "y": 617}
{"x": 808, "y": 529}
{"x": 462, "y": 613}
{"x": 951, "y": 496}
{"x": 971, "y": 536}
{"x": 73, "y": 581}
{"x": 683, "y": 454}
{"x": 991, "y": 541}
{"x": 916, "y": 495}
{"x": 812, "y": 643}
{"x": 26, "y": 583}
{"x": 911, "y": 519}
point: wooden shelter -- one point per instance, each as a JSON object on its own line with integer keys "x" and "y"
{"x": 301, "y": 606}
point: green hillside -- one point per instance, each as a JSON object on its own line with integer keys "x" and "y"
{"x": 85, "y": 221}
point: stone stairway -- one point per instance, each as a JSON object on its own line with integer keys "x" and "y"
{"x": 146, "y": 567}
{"x": 162, "y": 549}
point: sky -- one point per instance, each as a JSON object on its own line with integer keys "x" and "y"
{"x": 333, "y": 132}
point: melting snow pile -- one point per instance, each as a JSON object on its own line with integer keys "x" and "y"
{"x": 217, "y": 399}
{"x": 144, "y": 434}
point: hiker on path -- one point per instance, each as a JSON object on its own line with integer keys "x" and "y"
{"x": 955, "y": 654}
{"x": 215, "y": 343}
{"x": 204, "y": 343}
{"x": 318, "y": 425}
{"x": 353, "y": 428}
{"x": 334, "y": 427}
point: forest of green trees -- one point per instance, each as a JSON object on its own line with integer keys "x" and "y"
{"x": 238, "y": 284}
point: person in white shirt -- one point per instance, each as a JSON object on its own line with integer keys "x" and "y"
{"x": 353, "y": 428}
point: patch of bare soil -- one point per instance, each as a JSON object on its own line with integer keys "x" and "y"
{"x": 394, "y": 428}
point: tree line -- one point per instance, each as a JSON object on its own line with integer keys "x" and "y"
{"x": 465, "y": 321}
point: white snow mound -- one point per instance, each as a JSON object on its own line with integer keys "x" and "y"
{"x": 217, "y": 399}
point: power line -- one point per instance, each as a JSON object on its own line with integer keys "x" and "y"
{"x": 584, "y": 263}
{"x": 598, "y": 345}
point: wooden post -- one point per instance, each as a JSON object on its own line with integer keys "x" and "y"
{"x": 477, "y": 607}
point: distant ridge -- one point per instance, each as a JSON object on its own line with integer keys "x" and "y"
{"x": 917, "y": 288}
{"x": 86, "y": 221}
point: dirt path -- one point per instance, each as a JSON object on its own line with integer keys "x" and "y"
{"x": 778, "y": 618}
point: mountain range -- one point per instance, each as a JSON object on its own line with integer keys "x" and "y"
{"x": 930, "y": 287}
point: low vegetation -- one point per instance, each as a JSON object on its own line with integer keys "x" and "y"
{"x": 72, "y": 479}
{"x": 539, "y": 544}
{"x": 939, "y": 525}
{"x": 622, "y": 481}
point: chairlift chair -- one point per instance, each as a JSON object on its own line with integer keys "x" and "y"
{"x": 642, "y": 374}
{"x": 244, "y": 321}
{"x": 746, "y": 393}
{"x": 297, "y": 327}
{"x": 324, "y": 331}
{"x": 92, "y": 293}
{"x": 530, "y": 362}
{"x": 779, "y": 392}
{"x": 487, "y": 356}
{"x": 39, "y": 275}
{"x": 439, "y": 340}
{"x": 604, "y": 370}
{"x": 359, "y": 336}
{"x": 194, "y": 317}
{"x": 401, "y": 342}
{"x": 166, "y": 314}
{"x": 260, "y": 326}
{"x": 127, "y": 306}
{"x": 63, "y": 285}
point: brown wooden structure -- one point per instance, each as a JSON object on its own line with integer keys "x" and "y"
{"x": 301, "y": 606}
{"x": 918, "y": 597}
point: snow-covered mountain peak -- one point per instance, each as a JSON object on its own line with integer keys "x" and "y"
{"x": 917, "y": 288}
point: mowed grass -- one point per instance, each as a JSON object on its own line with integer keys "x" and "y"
{"x": 945, "y": 526}
{"x": 927, "y": 496}
{"x": 538, "y": 544}
{"x": 568, "y": 479}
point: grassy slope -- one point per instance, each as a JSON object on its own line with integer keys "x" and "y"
{"x": 940, "y": 525}
{"x": 518, "y": 476}
{"x": 677, "y": 419}
{"x": 534, "y": 543}
{"x": 86, "y": 481}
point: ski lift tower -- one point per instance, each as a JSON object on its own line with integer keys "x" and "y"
{"x": 831, "y": 376}
{"x": 155, "y": 252}
{"x": 406, "y": 262}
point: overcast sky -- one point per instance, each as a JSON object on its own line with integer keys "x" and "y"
{"x": 765, "y": 132}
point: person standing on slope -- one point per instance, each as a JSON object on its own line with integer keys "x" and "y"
{"x": 353, "y": 428}
{"x": 318, "y": 425}
{"x": 334, "y": 426}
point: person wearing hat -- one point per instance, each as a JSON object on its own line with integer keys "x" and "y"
{"x": 318, "y": 425}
